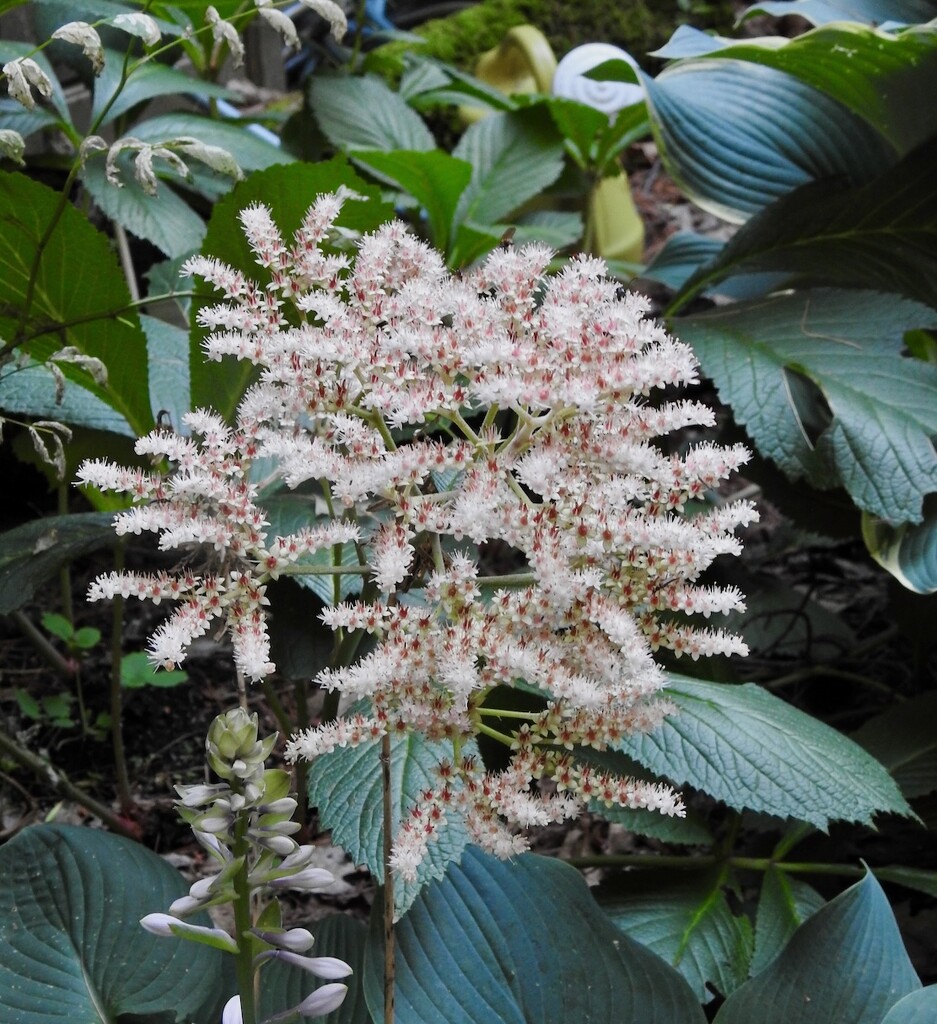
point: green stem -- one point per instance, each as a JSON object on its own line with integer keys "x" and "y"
{"x": 528, "y": 716}
{"x": 244, "y": 959}
{"x": 501, "y": 737}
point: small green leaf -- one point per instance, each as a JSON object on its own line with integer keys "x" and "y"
{"x": 73, "y": 948}
{"x": 783, "y": 906}
{"x": 685, "y": 920}
{"x": 520, "y": 942}
{"x": 58, "y": 626}
{"x": 848, "y": 346}
{"x": 86, "y": 638}
{"x": 136, "y": 671}
{"x": 363, "y": 113}
{"x": 28, "y": 704}
{"x": 749, "y": 749}
{"x": 911, "y": 878}
{"x": 845, "y": 962}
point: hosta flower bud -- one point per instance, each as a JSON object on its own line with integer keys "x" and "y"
{"x": 296, "y": 940}
{"x": 328, "y": 967}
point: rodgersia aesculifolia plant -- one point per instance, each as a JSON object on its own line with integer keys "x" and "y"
{"x": 439, "y": 417}
{"x": 245, "y": 823}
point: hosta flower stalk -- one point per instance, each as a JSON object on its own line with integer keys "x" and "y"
{"x": 495, "y": 445}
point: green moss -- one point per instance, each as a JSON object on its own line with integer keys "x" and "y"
{"x": 636, "y": 25}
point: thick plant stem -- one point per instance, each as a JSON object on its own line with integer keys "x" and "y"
{"x": 390, "y": 953}
{"x": 244, "y": 960}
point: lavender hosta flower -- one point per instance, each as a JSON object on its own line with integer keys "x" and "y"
{"x": 501, "y": 406}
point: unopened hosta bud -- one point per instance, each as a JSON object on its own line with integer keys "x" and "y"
{"x": 12, "y": 145}
{"x": 166, "y": 925}
{"x": 296, "y": 940}
{"x": 82, "y": 34}
{"x": 22, "y": 75}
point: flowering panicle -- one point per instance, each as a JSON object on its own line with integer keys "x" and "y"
{"x": 501, "y": 409}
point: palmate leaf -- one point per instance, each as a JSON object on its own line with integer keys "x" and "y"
{"x": 520, "y": 942}
{"x": 881, "y": 235}
{"x": 873, "y": 436}
{"x": 686, "y": 920}
{"x": 73, "y": 948}
{"x": 752, "y": 751}
{"x": 877, "y": 75}
{"x": 79, "y": 296}
{"x": 846, "y": 962}
{"x": 736, "y": 136}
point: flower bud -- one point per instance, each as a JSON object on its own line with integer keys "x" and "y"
{"x": 296, "y": 940}
{"x": 328, "y": 967}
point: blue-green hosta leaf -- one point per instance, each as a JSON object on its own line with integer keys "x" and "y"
{"x": 846, "y": 962}
{"x": 685, "y": 919}
{"x": 881, "y": 236}
{"x": 736, "y": 136}
{"x": 871, "y": 12}
{"x": 909, "y": 553}
{"x": 904, "y": 740}
{"x": 742, "y": 745}
{"x": 79, "y": 295}
{"x": 916, "y": 1008}
{"x": 288, "y": 190}
{"x": 514, "y": 156}
{"x": 877, "y": 75}
{"x": 283, "y": 986}
{"x": 783, "y": 906}
{"x": 346, "y": 787}
{"x": 168, "y": 350}
{"x": 521, "y": 942}
{"x": 364, "y": 113}
{"x": 165, "y": 220}
{"x": 73, "y": 948}
{"x": 847, "y": 345}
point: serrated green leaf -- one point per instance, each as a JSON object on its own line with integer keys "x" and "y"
{"x": 346, "y": 787}
{"x": 884, "y": 407}
{"x": 903, "y": 739}
{"x": 75, "y": 301}
{"x": 783, "y": 905}
{"x": 434, "y": 178}
{"x": 873, "y": 12}
{"x": 164, "y": 219}
{"x": 688, "y": 831}
{"x": 147, "y": 81}
{"x": 916, "y": 1008}
{"x": 33, "y": 553}
{"x": 877, "y": 75}
{"x": 685, "y": 920}
{"x": 283, "y": 986}
{"x": 881, "y": 235}
{"x": 288, "y": 191}
{"x": 514, "y": 156}
{"x": 845, "y": 962}
{"x": 909, "y": 553}
{"x": 736, "y": 136}
{"x": 70, "y": 911}
{"x": 363, "y": 113}
{"x": 520, "y": 942}
{"x": 746, "y": 747}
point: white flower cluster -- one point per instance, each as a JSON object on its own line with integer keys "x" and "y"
{"x": 500, "y": 410}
